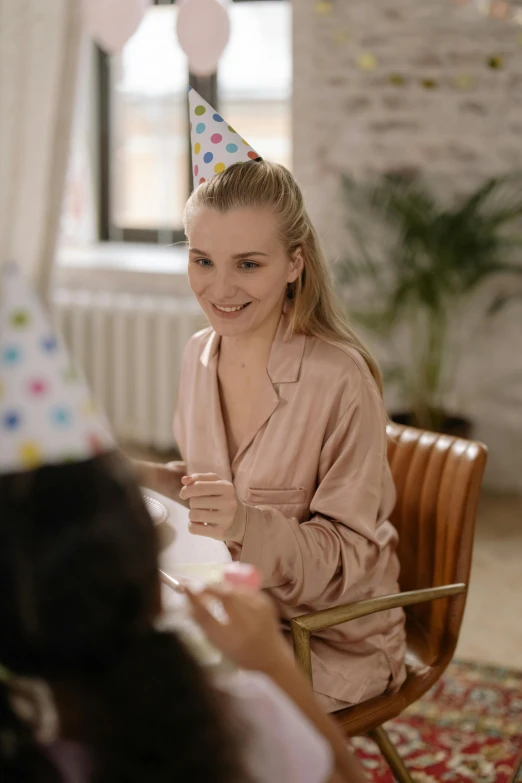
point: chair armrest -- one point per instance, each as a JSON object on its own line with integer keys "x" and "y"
{"x": 302, "y": 627}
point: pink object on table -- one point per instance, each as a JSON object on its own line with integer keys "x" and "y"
{"x": 242, "y": 575}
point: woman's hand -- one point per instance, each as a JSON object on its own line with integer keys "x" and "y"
{"x": 165, "y": 479}
{"x": 215, "y": 509}
{"x": 250, "y": 637}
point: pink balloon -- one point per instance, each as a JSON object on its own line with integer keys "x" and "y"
{"x": 203, "y": 29}
{"x": 112, "y": 22}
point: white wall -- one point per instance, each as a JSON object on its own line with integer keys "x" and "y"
{"x": 465, "y": 128}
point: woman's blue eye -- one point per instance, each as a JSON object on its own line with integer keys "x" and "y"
{"x": 206, "y": 263}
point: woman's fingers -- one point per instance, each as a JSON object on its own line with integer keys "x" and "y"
{"x": 200, "y": 477}
{"x": 207, "y": 503}
{"x": 207, "y": 531}
{"x": 213, "y": 502}
{"x": 204, "y": 517}
{"x": 202, "y": 488}
{"x": 176, "y": 467}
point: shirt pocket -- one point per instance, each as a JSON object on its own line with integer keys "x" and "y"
{"x": 276, "y": 497}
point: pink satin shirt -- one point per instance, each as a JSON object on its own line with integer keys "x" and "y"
{"x": 314, "y": 474}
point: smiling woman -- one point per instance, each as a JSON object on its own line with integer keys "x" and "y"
{"x": 281, "y": 424}
{"x": 245, "y": 286}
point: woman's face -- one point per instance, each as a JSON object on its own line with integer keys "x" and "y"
{"x": 238, "y": 268}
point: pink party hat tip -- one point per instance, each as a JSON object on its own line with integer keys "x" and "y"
{"x": 47, "y": 415}
{"x": 215, "y": 144}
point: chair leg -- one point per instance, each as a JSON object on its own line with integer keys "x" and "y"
{"x": 389, "y": 751}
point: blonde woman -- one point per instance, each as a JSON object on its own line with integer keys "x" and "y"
{"x": 281, "y": 426}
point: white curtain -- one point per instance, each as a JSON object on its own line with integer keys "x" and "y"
{"x": 39, "y": 49}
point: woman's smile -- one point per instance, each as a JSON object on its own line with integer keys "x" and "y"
{"x": 239, "y": 269}
{"x": 229, "y": 311}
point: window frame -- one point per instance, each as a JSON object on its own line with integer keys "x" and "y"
{"x": 207, "y": 87}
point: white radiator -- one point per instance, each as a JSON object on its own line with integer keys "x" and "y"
{"x": 130, "y": 348}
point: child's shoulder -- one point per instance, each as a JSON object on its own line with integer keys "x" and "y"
{"x": 282, "y": 743}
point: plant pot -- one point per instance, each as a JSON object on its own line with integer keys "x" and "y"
{"x": 458, "y": 426}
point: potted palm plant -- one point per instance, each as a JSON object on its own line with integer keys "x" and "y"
{"x": 415, "y": 263}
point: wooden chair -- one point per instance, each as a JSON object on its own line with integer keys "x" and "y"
{"x": 438, "y": 480}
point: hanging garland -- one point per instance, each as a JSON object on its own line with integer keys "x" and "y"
{"x": 323, "y": 7}
{"x": 368, "y": 61}
{"x": 496, "y": 9}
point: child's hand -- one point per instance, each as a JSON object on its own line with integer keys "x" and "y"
{"x": 251, "y": 637}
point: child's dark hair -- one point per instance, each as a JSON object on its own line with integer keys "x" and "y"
{"x": 78, "y": 595}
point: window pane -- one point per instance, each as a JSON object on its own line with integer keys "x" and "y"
{"x": 149, "y": 123}
{"x": 149, "y": 173}
{"x": 255, "y": 76}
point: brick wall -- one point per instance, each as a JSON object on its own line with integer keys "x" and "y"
{"x": 381, "y": 84}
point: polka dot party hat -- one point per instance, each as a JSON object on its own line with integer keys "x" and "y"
{"x": 46, "y": 412}
{"x": 215, "y": 145}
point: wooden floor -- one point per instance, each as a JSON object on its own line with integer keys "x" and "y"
{"x": 492, "y": 631}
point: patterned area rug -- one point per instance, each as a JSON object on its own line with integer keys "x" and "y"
{"x": 468, "y": 728}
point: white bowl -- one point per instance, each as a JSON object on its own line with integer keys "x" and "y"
{"x": 157, "y": 510}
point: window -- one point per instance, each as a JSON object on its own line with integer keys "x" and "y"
{"x": 144, "y": 141}
{"x": 254, "y": 81}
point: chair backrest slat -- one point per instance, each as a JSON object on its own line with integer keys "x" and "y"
{"x": 438, "y": 480}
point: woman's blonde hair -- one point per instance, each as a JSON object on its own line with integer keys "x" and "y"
{"x": 317, "y": 310}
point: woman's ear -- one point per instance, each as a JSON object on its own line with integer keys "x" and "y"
{"x": 297, "y": 264}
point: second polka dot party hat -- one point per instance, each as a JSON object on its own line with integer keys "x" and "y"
{"x": 46, "y": 412}
{"x": 215, "y": 144}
